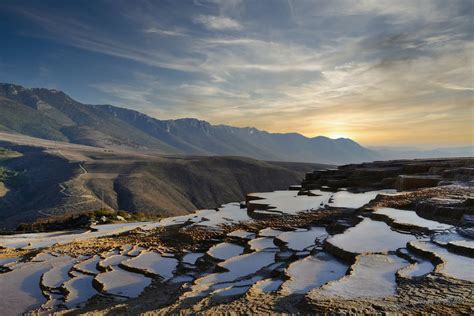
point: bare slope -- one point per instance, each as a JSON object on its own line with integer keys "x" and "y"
{"x": 60, "y": 179}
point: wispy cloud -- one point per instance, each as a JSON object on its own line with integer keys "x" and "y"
{"x": 377, "y": 71}
{"x": 77, "y": 34}
{"x": 154, "y": 30}
{"x": 212, "y": 22}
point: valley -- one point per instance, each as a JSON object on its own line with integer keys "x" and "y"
{"x": 60, "y": 180}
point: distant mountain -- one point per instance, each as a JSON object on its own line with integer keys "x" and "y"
{"x": 53, "y": 115}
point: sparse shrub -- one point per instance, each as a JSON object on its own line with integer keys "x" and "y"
{"x": 124, "y": 214}
{"x": 139, "y": 216}
{"x": 12, "y": 177}
{"x": 103, "y": 212}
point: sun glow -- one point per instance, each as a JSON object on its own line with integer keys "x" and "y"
{"x": 336, "y": 135}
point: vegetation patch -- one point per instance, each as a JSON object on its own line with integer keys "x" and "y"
{"x": 12, "y": 178}
{"x": 84, "y": 221}
{"x": 6, "y": 153}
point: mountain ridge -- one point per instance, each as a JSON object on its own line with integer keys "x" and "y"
{"x": 52, "y": 114}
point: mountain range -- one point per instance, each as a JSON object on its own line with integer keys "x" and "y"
{"x": 53, "y": 115}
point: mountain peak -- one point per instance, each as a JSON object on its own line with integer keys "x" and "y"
{"x": 12, "y": 89}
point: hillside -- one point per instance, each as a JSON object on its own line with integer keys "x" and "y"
{"x": 58, "y": 179}
{"x": 53, "y": 115}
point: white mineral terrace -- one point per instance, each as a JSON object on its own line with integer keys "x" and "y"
{"x": 225, "y": 251}
{"x": 370, "y": 236}
{"x": 312, "y": 272}
{"x": 405, "y": 217}
{"x": 153, "y": 263}
{"x": 123, "y": 283}
{"x": 372, "y": 276}
{"x": 454, "y": 265}
{"x": 302, "y": 239}
{"x": 354, "y": 200}
{"x": 289, "y": 261}
{"x": 290, "y": 202}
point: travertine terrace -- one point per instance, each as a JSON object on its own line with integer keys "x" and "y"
{"x": 366, "y": 238}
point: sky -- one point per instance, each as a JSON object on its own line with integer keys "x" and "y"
{"x": 395, "y": 73}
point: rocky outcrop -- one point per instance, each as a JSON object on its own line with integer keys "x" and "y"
{"x": 405, "y": 183}
{"x": 449, "y": 208}
{"x": 394, "y": 174}
{"x": 254, "y": 206}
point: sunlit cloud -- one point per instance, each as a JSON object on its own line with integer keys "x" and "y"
{"x": 376, "y": 71}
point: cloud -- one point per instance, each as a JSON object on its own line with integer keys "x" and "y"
{"x": 403, "y": 11}
{"x": 212, "y": 22}
{"x": 154, "y": 30}
{"x": 374, "y": 70}
{"x": 84, "y": 36}
{"x": 456, "y": 87}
